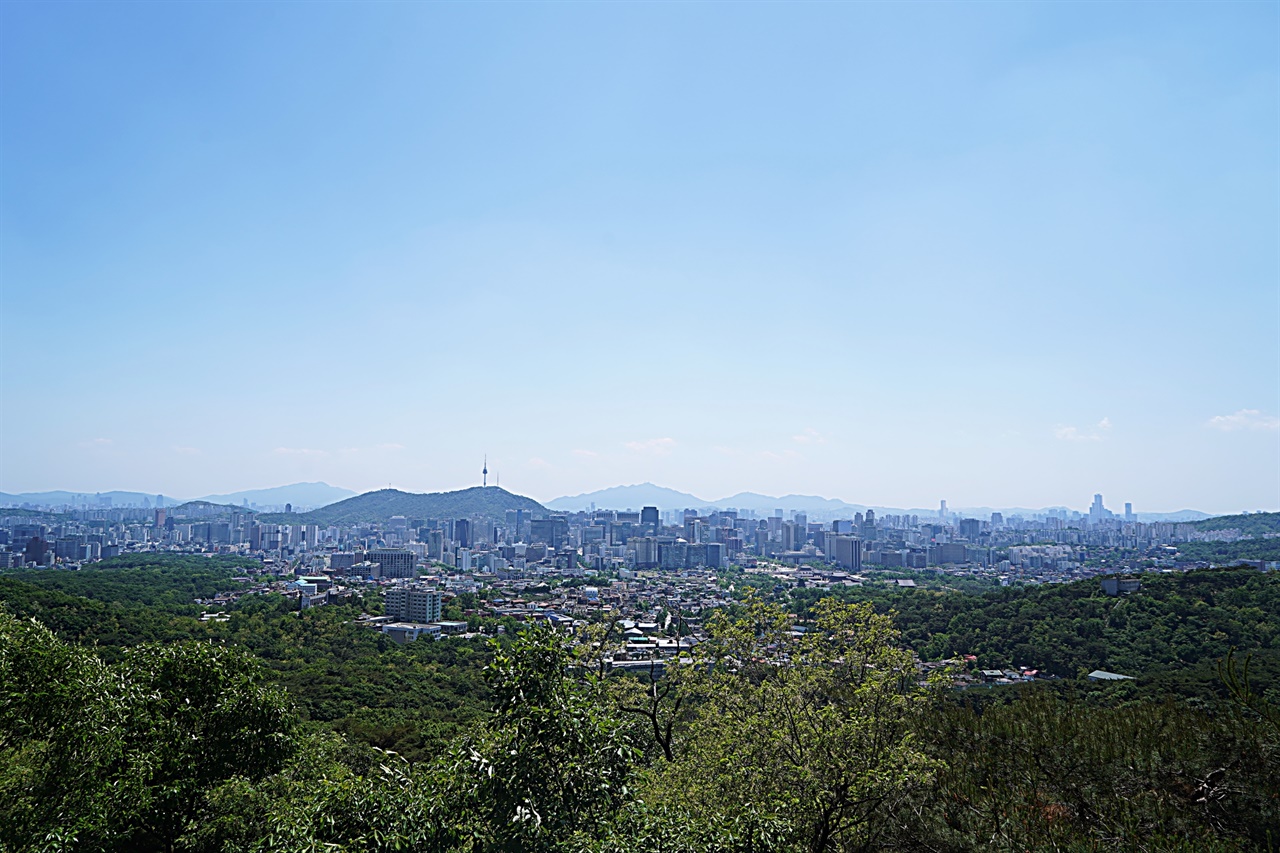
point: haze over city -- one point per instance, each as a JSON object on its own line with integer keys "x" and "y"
{"x": 1002, "y": 255}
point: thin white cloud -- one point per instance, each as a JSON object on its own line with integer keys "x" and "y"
{"x": 1251, "y": 419}
{"x": 390, "y": 445}
{"x": 654, "y": 446}
{"x": 809, "y": 436}
{"x": 299, "y": 451}
{"x": 186, "y": 451}
{"x": 588, "y": 453}
{"x": 786, "y": 454}
{"x": 96, "y": 442}
{"x": 1071, "y": 433}
{"x": 538, "y": 462}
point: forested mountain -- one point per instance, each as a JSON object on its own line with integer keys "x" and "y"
{"x": 1249, "y": 524}
{"x": 383, "y": 504}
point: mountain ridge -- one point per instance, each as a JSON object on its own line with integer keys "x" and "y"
{"x": 316, "y": 495}
{"x": 382, "y": 504}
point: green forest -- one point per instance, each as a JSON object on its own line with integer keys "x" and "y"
{"x": 385, "y": 503}
{"x": 127, "y": 724}
{"x": 1249, "y": 524}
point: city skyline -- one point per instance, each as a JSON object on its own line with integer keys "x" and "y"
{"x": 619, "y": 497}
{"x": 1009, "y": 255}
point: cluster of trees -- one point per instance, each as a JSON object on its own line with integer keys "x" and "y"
{"x": 1228, "y": 552}
{"x": 169, "y": 581}
{"x": 769, "y": 739}
{"x": 127, "y": 725}
{"x": 411, "y": 699}
{"x": 1249, "y": 524}
{"x": 1176, "y": 621}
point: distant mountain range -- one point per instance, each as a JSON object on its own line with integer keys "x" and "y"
{"x": 331, "y": 505}
{"x": 383, "y": 504}
{"x": 647, "y": 494}
{"x": 308, "y": 495}
{"x": 313, "y": 495}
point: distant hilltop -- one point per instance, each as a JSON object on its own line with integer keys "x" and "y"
{"x": 383, "y": 504}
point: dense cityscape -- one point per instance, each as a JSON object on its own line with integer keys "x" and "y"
{"x": 533, "y": 565}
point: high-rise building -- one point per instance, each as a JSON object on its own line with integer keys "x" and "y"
{"x": 715, "y": 555}
{"x": 462, "y": 533}
{"x": 1098, "y": 512}
{"x": 848, "y": 553}
{"x": 649, "y": 516}
{"x": 395, "y": 562}
{"x": 646, "y": 551}
{"x": 1128, "y": 511}
{"x": 552, "y": 531}
{"x": 942, "y": 510}
{"x": 413, "y": 603}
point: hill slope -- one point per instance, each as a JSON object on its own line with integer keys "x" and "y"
{"x": 1253, "y": 524}
{"x": 384, "y": 503}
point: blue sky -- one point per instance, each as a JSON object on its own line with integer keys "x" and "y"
{"x": 1002, "y": 254}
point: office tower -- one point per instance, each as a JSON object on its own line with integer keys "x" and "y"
{"x": 942, "y": 510}
{"x": 997, "y": 519}
{"x": 649, "y": 516}
{"x": 395, "y": 562}
{"x": 848, "y": 553}
{"x": 715, "y": 555}
{"x": 790, "y": 533}
{"x": 1097, "y": 512}
{"x": 1128, "y": 511}
{"x": 462, "y": 533}
{"x": 413, "y": 604}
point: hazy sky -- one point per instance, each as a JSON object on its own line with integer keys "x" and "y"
{"x": 998, "y": 253}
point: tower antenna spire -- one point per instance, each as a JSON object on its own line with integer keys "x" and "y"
{"x": 485, "y": 472}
